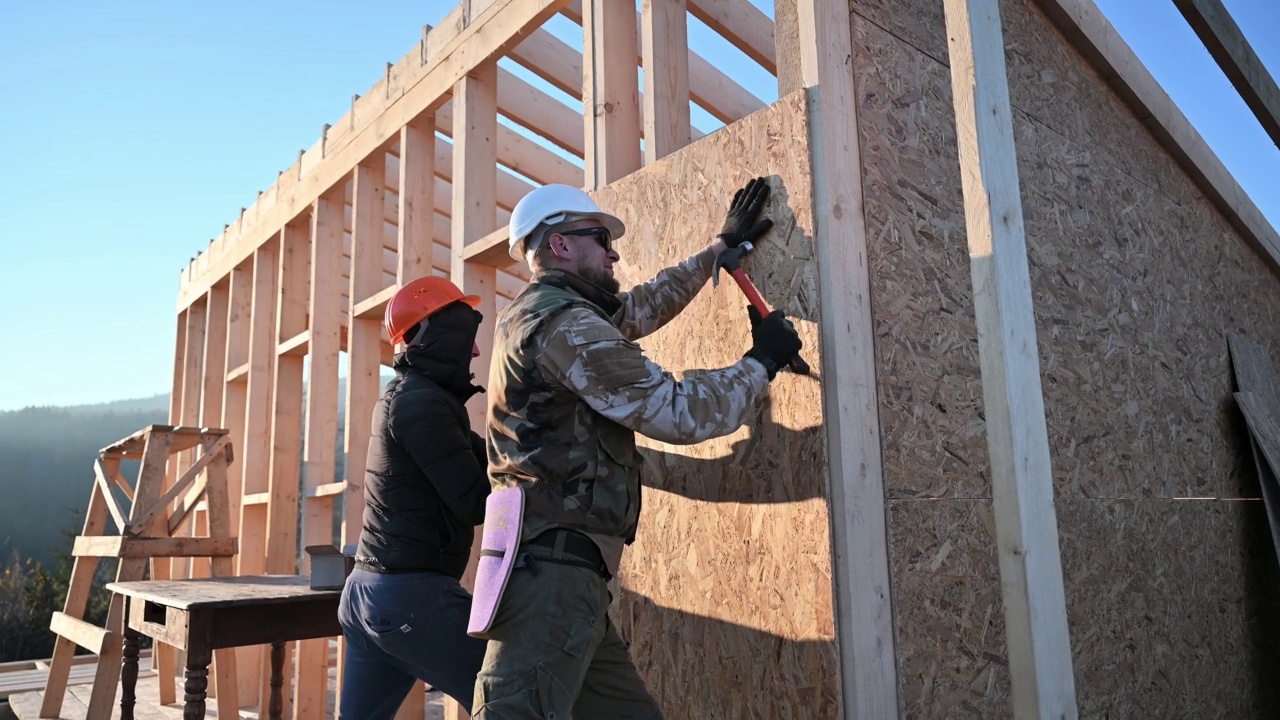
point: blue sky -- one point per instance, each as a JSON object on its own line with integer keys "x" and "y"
{"x": 133, "y": 131}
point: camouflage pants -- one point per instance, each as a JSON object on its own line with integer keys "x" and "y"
{"x": 554, "y": 654}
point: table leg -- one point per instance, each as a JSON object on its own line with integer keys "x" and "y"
{"x": 128, "y": 673}
{"x": 275, "y": 706}
{"x": 197, "y": 675}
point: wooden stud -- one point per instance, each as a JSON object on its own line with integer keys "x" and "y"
{"x": 475, "y": 215}
{"x": 1093, "y": 36}
{"x": 664, "y": 42}
{"x": 1017, "y": 438}
{"x": 286, "y": 420}
{"x": 860, "y": 556}
{"x": 611, "y": 114}
{"x": 417, "y": 198}
{"x": 786, "y": 42}
{"x": 320, "y": 427}
{"x": 1233, "y": 53}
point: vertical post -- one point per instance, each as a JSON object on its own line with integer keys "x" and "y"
{"x": 235, "y": 408}
{"x": 364, "y": 340}
{"x": 610, "y": 98}
{"x": 864, "y": 618}
{"x": 1017, "y": 438}
{"x": 665, "y": 48}
{"x": 475, "y": 214}
{"x": 417, "y": 198}
{"x": 310, "y": 681}
{"x": 214, "y": 381}
{"x": 286, "y": 419}
{"x": 786, "y": 43}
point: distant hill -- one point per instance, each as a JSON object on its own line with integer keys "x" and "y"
{"x": 46, "y": 467}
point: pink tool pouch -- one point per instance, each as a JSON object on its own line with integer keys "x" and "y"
{"x": 503, "y": 516}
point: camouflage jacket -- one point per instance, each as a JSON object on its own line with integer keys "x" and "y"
{"x": 569, "y": 388}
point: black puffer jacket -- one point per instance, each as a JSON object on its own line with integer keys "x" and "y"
{"x": 425, "y": 483}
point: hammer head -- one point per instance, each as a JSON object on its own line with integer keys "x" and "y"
{"x": 731, "y": 260}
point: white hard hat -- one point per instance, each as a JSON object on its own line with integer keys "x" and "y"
{"x": 553, "y": 204}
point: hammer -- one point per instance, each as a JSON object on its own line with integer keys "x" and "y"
{"x": 731, "y": 260}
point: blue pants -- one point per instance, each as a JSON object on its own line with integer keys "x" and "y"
{"x": 401, "y": 627}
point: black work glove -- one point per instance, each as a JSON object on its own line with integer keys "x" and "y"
{"x": 774, "y": 338}
{"x": 740, "y": 224}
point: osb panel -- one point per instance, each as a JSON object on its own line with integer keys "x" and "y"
{"x": 1150, "y": 637}
{"x": 1047, "y": 80}
{"x": 952, "y": 660}
{"x": 1134, "y": 296}
{"x": 1171, "y": 607}
{"x": 1136, "y": 282}
{"x": 726, "y": 595}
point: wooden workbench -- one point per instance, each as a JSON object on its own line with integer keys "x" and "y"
{"x": 203, "y": 615}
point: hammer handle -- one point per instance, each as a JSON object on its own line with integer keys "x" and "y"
{"x": 797, "y": 364}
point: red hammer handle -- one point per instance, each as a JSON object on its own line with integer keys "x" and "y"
{"x": 797, "y": 364}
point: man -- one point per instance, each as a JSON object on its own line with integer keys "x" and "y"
{"x": 403, "y": 613}
{"x": 569, "y": 388}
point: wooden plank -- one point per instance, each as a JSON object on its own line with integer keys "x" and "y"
{"x": 100, "y": 477}
{"x": 501, "y": 27}
{"x": 474, "y": 212}
{"x": 373, "y": 307}
{"x": 1233, "y": 53}
{"x": 474, "y": 202}
{"x": 664, "y": 39}
{"x": 416, "y": 199}
{"x": 786, "y": 43}
{"x": 85, "y": 634}
{"x": 190, "y": 502}
{"x": 851, "y": 409}
{"x": 1096, "y": 39}
{"x": 286, "y": 450}
{"x": 742, "y": 24}
{"x": 214, "y": 368}
{"x": 106, "y": 546}
{"x": 490, "y": 250}
{"x": 1017, "y": 437}
{"x": 610, "y": 99}
{"x": 255, "y": 454}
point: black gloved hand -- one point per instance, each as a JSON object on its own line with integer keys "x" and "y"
{"x": 774, "y": 338}
{"x": 740, "y": 224}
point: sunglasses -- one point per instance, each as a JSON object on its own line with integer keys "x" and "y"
{"x": 601, "y": 235}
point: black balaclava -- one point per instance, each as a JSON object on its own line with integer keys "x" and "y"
{"x": 442, "y": 350}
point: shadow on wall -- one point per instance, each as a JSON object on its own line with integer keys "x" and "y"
{"x": 774, "y": 464}
{"x": 725, "y": 670}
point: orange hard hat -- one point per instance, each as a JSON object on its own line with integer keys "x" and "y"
{"x": 420, "y": 299}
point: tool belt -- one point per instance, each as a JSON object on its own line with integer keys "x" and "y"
{"x": 574, "y": 549}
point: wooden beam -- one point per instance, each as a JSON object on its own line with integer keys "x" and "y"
{"x": 709, "y": 87}
{"x": 860, "y": 552}
{"x": 742, "y": 24}
{"x": 610, "y": 99}
{"x": 1035, "y": 605}
{"x": 1093, "y": 36}
{"x": 416, "y": 198}
{"x": 364, "y": 347}
{"x": 501, "y": 27}
{"x": 786, "y": 42}
{"x": 664, "y": 41}
{"x": 114, "y": 546}
{"x": 100, "y": 476}
{"x": 286, "y": 420}
{"x": 1228, "y": 46}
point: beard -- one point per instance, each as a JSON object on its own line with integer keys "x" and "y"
{"x": 600, "y": 278}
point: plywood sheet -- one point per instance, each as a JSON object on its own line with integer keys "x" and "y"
{"x": 1136, "y": 281}
{"x": 726, "y": 595}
